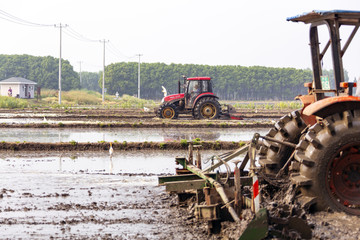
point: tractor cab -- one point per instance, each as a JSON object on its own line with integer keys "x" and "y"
{"x": 316, "y": 103}
{"x": 195, "y": 87}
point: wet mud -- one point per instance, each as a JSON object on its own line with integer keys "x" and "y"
{"x": 42, "y": 197}
{"x": 74, "y": 191}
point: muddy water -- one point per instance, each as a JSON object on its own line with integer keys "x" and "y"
{"x": 89, "y": 195}
{"x": 127, "y": 134}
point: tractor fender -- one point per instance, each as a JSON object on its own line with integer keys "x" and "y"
{"x": 207, "y": 94}
{"x": 331, "y": 105}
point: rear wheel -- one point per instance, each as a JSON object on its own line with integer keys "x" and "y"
{"x": 207, "y": 108}
{"x": 271, "y": 155}
{"x": 329, "y": 154}
{"x": 167, "y": 111}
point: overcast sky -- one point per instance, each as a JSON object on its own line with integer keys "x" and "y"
{"x": 228, "y": 32}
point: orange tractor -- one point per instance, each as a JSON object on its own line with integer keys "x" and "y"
{"x": 319, "y": 146}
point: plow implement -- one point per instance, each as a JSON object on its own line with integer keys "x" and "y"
{"x": 223, "y": 196}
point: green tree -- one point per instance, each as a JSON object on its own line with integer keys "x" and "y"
{"x": 42, "y": 70}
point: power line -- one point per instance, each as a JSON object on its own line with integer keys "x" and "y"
{"x": 117, "y": 51}
{"x": 71, "y": 33}
{"x": 79, "y": 36}
{"x": 17, "y": 20}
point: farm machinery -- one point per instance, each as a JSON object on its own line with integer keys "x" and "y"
{"x": 309, "y": 160}
{"x": 197, "y": 98}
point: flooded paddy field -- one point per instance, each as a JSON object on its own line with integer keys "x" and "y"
{"x": 53, "y": 135}
{"x": 89, "y": 195}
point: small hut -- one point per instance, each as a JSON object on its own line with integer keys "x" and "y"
{"x": 17, "y": 87}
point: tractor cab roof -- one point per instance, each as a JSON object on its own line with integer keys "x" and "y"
{"x": 199, "y": 78}
{"x": 344, "y": 17}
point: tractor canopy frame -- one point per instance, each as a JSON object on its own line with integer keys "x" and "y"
{"x": 333, "y": 20}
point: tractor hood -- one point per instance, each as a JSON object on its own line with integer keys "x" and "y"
{"x": 173, "y": 97}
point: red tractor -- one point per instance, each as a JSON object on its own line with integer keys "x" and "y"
{"x": 319, "y": 145}
{"x": 198, "y": 99}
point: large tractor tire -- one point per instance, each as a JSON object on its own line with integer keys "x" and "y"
{"x": 167, "y": 111}
{"x": 271, "y": 155}
{"x": 329, "y": 156}
{"x": 207, "y": 108}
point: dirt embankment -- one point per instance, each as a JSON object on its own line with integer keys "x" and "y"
{"x": 138, "y": 124}
{"x": 124, "y": 146}
{"x": 131, "y": 118}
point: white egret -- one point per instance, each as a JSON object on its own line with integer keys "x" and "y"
{"x": 111, "y": 150}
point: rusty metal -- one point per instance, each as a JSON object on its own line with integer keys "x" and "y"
{"x": 289, "y": 144}
{"x": 219, "y": 188}
{"x": 162, "y": 180}
{"x": 282, "y": 170}
{"x": 207, "y": 212}
{"x": 230, "y": 156}
{"x": 237, "y": 192}
{"x": 198, "y": 155}
{"x": 180, "y": 186}
{"x": 191, "y": 153}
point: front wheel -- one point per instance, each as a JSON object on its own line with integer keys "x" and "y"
{"x": 167, "y": 111}
{"x": 271, "y": 155}
{"x": 207, "y": 108}
{"x": 329, "y": 154}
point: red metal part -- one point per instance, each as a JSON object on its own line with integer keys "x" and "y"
{"x": 236, "y": 117}
{"x": 199, "y": 78}
{"x": 307, "y": 100}
{"x": 344, "y": 176}
{"x": 174, "y": 97}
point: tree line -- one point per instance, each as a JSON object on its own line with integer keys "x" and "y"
{"x": 42, "y": 70}
{"x": 229, "y": 82}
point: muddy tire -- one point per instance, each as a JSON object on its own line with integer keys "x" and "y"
{"x": 329, "y": 156}
{"x": 272, "y": 156}
{"x": 207, "y": 108}
{"x": 167, "y": 111}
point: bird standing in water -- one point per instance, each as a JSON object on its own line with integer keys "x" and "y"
{"x": 111, "y": 150}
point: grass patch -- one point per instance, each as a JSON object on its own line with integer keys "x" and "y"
{"x": 183, "y": 143}
{"x": 11, "y": 102}
{"x": 162, "y": 145}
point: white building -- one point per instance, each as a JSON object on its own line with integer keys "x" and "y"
{"x": 20, "y": 87}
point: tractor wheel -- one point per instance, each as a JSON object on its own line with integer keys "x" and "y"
{"x": 272, "y": 156}
{"x": 207, "y": 108}
{"x": 329, "y": 154}
{"x": 168, "y": 111}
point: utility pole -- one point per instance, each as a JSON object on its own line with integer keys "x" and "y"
{"x": 103, "y": 80}
{"x": 60, "y": 27}
{"x": 80, "y": 72}
{"x": 139, "y": 55}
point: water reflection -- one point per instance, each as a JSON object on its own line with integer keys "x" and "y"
{"x": 125, "y": 134}
{"x": 143, "y": 162}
